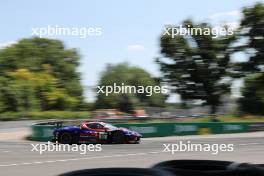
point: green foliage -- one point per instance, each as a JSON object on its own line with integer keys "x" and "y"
{"x": 253, "y": 95}
{"x": 252, "y": 30}
{"x": 134, "y": 76}
{"x": 195, "y": 65}
{"x": 253, "y": 71}
{"x": 39, "y": 74}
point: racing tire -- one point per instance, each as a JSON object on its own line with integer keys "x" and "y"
{"x": 65, "y": 138}
{"x": 119, "y": 138}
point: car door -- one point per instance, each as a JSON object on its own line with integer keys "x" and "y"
{"x": 101, "y": 131}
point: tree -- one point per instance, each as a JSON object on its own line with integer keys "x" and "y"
{"x": 252, "y": 30}
{"x": 253, "y": 93}
{"x": 39, "y": 74}
{"x": 195, "y": 65}
{"x": 129, "y": 75}
{"x": 253, "y": 71}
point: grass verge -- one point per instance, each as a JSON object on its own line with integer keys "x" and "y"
{"x": 43, "y": 115}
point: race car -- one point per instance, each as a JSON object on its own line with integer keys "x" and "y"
{"x": 95, "y": 132}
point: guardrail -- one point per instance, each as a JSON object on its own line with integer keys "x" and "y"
{"x": 179, "y": 129}
{"x": 44, "y": 131}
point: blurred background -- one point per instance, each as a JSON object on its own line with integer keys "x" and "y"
{"x": 209, "y": 78}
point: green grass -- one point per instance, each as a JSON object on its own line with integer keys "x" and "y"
{"x": 43, "y": 115}
{"x": 229, "y": 118}
{"x": 85, "y": 115}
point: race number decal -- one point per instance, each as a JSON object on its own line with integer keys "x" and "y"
{"x": 102, "y": 135}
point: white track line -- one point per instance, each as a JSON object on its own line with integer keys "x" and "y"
{"x": 250, "y": 144}
{"x": 78, "y": 159}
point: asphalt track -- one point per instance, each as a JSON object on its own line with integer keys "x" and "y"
{"x": 16, "y": 157}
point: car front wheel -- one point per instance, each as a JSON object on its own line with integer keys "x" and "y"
{"x": 119, "y": 138}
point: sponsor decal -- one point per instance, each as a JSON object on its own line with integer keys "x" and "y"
{"x": 149, "y": 129}
{"x": 185, "y": 128}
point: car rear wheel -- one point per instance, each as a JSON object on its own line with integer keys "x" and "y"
{"x": 65, "y": 138}
{"x": 119, "y": 138}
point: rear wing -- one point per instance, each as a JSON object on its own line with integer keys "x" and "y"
{"x": 58, "y": 124}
